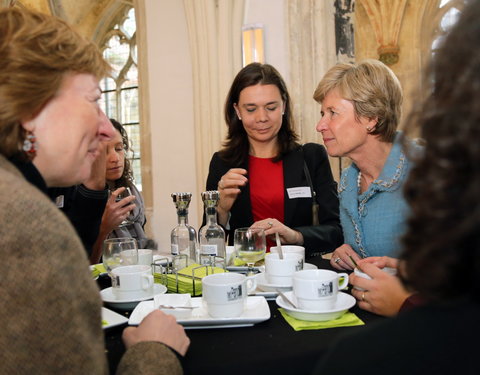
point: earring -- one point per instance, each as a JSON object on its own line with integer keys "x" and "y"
{"x": 30, "y": 145}
{"x": 369, "y": 129}
{"x": 239, "y": 118}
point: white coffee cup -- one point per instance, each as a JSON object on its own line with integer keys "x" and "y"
{"x": 280, "y": 271}
{"x": 225, "y": 293}
{"x": 390, "y": 270}
{"x": 317, "y": 290}
{"x": 130, "y": 282}
{"x": 145, "y": 257}
{"x": 287, "y": 249}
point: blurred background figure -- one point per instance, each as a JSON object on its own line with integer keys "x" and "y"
{"x": 265, "y": 177}
{"x": 124, "y": 214}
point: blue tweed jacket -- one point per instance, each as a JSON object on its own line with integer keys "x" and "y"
{"x": 374, "y": 221}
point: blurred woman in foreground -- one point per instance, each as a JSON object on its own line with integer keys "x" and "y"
{"x": 442, "y": 244}
{"x": 50, "y": 129}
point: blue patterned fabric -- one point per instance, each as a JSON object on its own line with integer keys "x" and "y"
{"x": 374, "y": 221}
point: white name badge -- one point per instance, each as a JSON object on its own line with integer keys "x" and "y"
{"x": 299, "y": 192}
{"x": 59, "y": 201}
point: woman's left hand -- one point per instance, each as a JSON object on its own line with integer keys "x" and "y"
{"x": 384, "y": 294}
{"x": 287, "y": 235}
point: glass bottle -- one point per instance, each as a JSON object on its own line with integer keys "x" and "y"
{"x": 183, "y": 236}
{"x": 211, "y": 235}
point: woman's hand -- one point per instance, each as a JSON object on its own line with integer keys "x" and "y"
{"x": 229, "y": 188}
{"x": 288, "y": 235}
{"x": 382, "y": 262}
{"x": 341, "y": 258}
{"x": 160, "y": 327}
{"x": 116, "y": 212}
{"x": 384, "y": 294}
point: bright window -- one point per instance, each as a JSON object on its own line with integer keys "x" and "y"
{"x": 120, "y": 90}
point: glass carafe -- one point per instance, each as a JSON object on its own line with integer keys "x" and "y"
{"x": 183, "y": 236}
{"x": 211, "y": 235}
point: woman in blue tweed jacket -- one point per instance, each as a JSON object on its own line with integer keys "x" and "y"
{"x": 361, "y": 109}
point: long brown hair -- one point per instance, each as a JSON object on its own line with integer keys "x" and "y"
{"x": 236, "y": 147}
{"x": 127, "y": 176}
{"x": 442, "y": 243}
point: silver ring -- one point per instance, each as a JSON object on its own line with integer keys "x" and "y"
{"x": 337, "y": 260}
{"x": 270, "y": 223}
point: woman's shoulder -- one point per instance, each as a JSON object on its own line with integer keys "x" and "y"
{"x": 313, "y": 151}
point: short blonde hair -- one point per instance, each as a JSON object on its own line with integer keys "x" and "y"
{"x": 37, "y": 51}
{"x": 373, "y": 89}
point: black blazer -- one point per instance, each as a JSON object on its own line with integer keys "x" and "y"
{"x": 322, "y": 238}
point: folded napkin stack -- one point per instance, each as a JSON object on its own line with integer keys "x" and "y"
{"x": 346, "y": 320}
{"x": 97, "y": 269}
{"x": 184, "y": 280}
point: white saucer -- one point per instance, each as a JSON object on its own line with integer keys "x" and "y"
{"x": 309, "y": 266}
{"x": 263, "y": 284}
{"x": 129, "y": 304}
{"x": 344, "y": 302}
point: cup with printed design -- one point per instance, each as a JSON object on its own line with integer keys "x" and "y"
{"x": 280, "y": 271}
{"x": 225, "y": 294}
{"x": 317, "y": 290}
{"x": 132, "y": 282}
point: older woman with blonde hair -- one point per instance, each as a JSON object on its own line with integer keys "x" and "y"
{"x": 361, "y": 110}
{"x": 50, "y": 129}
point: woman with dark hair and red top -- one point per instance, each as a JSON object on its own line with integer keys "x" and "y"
{"x": 266, "y": 179}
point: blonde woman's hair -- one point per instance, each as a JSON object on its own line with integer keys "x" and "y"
{"x": 36, "y": 52}
{"x": 373, "y": 89}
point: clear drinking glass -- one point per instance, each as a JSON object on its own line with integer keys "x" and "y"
{"x": 250, "y": 246}
{"x": 118, "y": 252}
{"x": 126, "y": 193}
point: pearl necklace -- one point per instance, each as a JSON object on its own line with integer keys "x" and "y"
{"x": 359, "y": 181}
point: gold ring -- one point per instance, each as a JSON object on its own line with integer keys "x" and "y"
{"x": 337, "y": 260}
{"x": 270, "y": 223}
{"x": 363, "y": 297}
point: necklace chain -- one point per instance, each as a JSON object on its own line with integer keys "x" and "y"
{"x": 359, "y": 181}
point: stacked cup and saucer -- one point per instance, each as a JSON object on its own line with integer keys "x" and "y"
{"x": 131, "y": 273}
{"x": 278, "y": 275}
{"x": 316, "y": 296}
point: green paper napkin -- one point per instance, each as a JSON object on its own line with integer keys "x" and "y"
{"x": 185, "y": 280}
{"x": 97, "y": 269}
{"x": 346, "y": 320}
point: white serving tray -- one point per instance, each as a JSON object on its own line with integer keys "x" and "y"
{"x": 112, "y": 318}
{"x": 256, "y": 311}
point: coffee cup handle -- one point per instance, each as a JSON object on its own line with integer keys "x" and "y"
{"x": 251, "y": 284}
{"x": 344, "y": 283}
{"x": 147, "y": 282}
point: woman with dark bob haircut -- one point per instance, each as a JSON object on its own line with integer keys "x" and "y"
{"x": 265, "y": 177}
{"x": 441, "y": 255}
